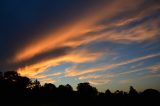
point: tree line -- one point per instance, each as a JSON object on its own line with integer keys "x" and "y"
{"x": 16, "y": 89}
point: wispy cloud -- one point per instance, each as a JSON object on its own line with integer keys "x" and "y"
{"x": 100, "y": 79}
{"x": 149, "y": 76}
{"x": 39, "y": 76}
{"x": 126, "y": 81}
{"x": 88, "y": 77}
{"x": 130, "y": 71}
{"x": 80, "y": 57}
{"x": 155, "y": 68}
{"x": 47, "y": 80}
{"x": 74, "y": 71}
{"x": 137, "y": 34}
{"x": 98, "y": 82}
{"x": 123, "y": 32}
{"x": 137, "y": 65}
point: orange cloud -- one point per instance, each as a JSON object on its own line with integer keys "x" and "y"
{"x": 82, "y": 25}
{"x": 46, "y": 75}
{"x": 75, "y": 57}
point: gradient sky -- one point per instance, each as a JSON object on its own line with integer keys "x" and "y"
{"x": 111, "y": 44}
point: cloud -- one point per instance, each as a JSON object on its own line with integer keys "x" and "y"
{"x": 125, "y": 81}
{"x": 132, "y": 71}
{"x": 137, "y": 34}
{"x": 74, "y": 71}
{"x": 155, "y": 68}
{"x": 149, "y": 68}
{"x": 137, "y": 65}
{"x": 135, "y": 30}
{"x": 47, "y": 80}
{"x": 99, "y": 82}
{"x": 88, "y": 77}
{"x": 100, "y": 79}
{"x": 139, "y": 59}
{"x": 61, "y": 37}
{"x": 135, "y": 27}
{"x": 39, "y": 76}
{"x": 149, "y": 76}
{"x": 74, "y": 57}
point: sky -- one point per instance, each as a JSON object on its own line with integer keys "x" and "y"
{"x": 111, "y": 44}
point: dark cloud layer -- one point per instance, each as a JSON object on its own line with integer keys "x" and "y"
{"x": 56, "y": 53}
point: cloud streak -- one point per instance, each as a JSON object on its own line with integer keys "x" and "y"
{"x": 42, "y": 76}
{"x": 47, "y": 80}
{"x": 74, "y": 57}
{"x": 101, "y": 79}
{"x": 83, "y": 25}
{"x": 73, "y": 71}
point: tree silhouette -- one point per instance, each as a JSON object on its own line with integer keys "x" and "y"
{"x": 49, "y": 87}
{"x": 36, "y": 84}
{"x": 22, "y": 90}
{"x": 85, "y": 89}
{"x": 65, "y": 90}
{"x": 150, "y": 92}
{"x": 108, "y": 92}
{"x": 133, "y": 91}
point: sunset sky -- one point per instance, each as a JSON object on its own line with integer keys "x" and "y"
{"x": 111, "y": 44}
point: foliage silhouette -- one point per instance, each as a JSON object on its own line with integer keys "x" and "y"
{"x": 16, "y": 89}
{"x": 86, "y": 90}
{"x": 133, "y": 91}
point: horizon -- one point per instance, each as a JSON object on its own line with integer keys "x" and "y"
{"x": 14, "y": 79}
{"x": 110, "y": 44}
